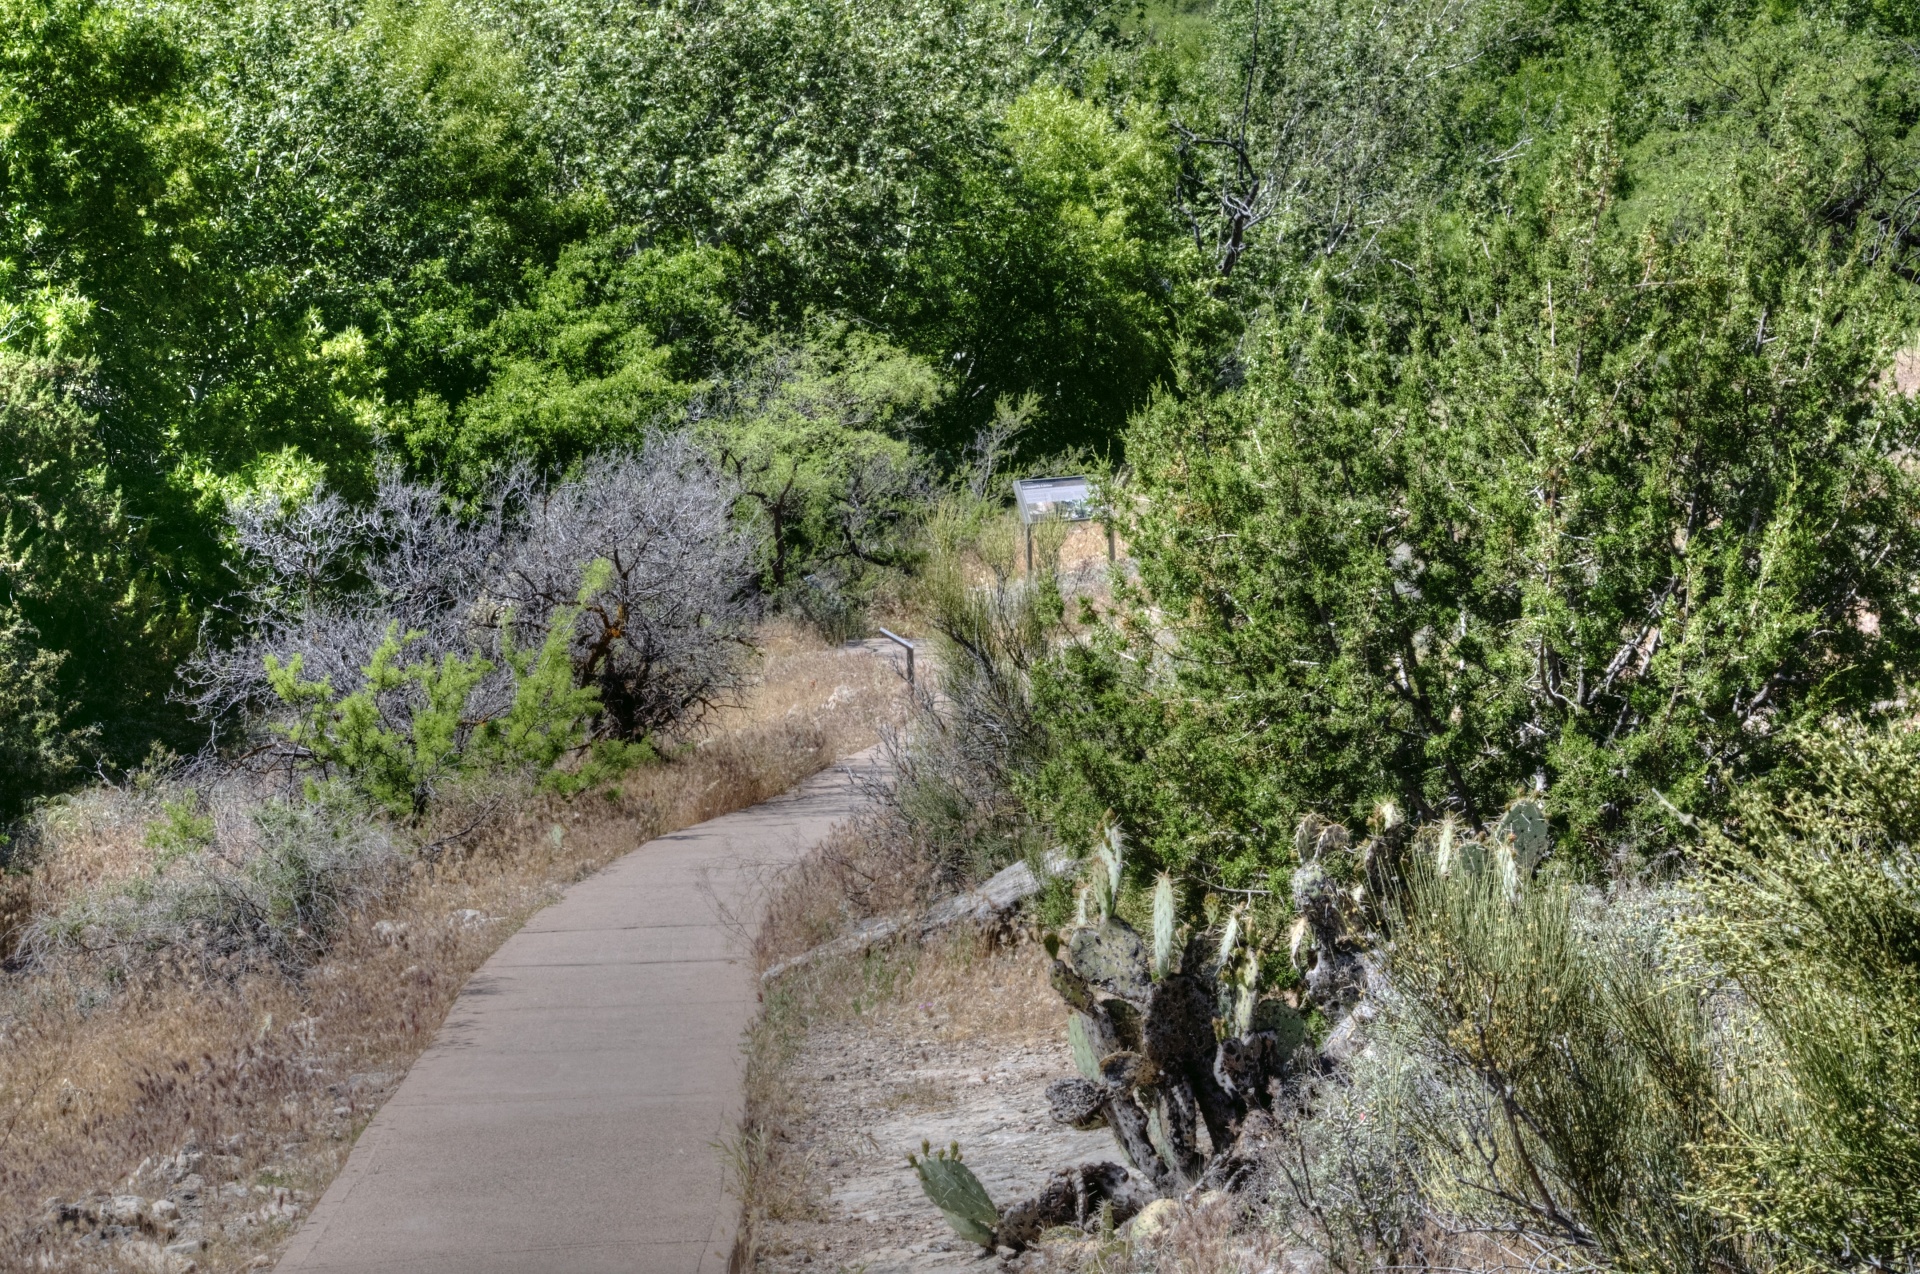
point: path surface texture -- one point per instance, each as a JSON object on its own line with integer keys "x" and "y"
{"x": 570, "y": 1113}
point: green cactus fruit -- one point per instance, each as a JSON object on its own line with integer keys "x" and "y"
{"x": 1086, "y": 1058}
{"x": 1112, "y": 957}
{"x": 1163, "y": 923}
{"x": 952, "y": 1187}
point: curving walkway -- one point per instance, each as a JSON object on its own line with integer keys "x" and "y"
{"x": 569, "y": 1115}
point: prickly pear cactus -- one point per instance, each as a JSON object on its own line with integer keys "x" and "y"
{"x": 1289, "y": 1029}
{"x": 1316, "y": 838}
{"x": 1128, "y": 1070}
{"x": 1177, "y": 1028}
{"x": 1086, "y": 1056}
{"x": 1081, "y": 1103}
{"x": 1524, "y": 828}
{"x": 1164, "y": 907}
{"x": 1111, "y": 956}
{"x": 953, "y": 1188}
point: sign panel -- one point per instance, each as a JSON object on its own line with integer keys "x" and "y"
{"x": 1069, "y": 499}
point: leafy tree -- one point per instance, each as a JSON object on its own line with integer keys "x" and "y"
{"x": 90, "y": 631}
{"x": 611, "y": 345}
{"x": 815, "y": 434}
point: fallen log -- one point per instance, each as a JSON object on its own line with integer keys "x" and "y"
{"x": 992, "y": 899}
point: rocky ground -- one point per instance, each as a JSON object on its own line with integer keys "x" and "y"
{"x": 174, "y": 1214}
{"x": 961, "y": 1052}
{"x": 873, "y": 1095}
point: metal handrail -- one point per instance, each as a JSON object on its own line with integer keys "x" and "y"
{"x": 905, "y": 645}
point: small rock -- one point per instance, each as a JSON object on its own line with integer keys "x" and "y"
{"x": 150, "y": 1258}
{"x": 1152, "y": 1219}
{"x": 124, "y": 1209}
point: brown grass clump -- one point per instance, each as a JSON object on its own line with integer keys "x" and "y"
{"x": 977, "y": 985}
{"x": 267, "y": 1078}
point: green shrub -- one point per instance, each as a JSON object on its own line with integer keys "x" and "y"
{"x": 87, "y": 637}
{"x": 1572, "y": 1071}
{"x": 410, "y": 727}
{"x": 1813, "y": 907}
{"x": 1534, "y": 521}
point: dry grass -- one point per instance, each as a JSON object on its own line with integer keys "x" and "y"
{"x": 272, "y": 1077}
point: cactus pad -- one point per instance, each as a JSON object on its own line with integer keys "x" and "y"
{"x": 1176, "y": 1031}
{"x": 1127, "y": 1070}
{"x": 1080, "y": 1103}
{"x": 1086, "y": 1056}
{"x": 1289, "y": 1029}
{"x": 1524, "y": 827}
{"x": 953, "y": 1188}
{"x": 1111, "y": 956}
{"x": 1164, "y": 908}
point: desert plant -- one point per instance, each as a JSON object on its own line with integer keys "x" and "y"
{"x": 247, "y": 883}
{"x": 412, "y": 726}
{"x": 961, "y": 765}
{"x": 1814, "y": 909}
{"x": 1572, "y": 1074}
{"x": 958, "y": 1194}
{"x": 426, "y": 637}
{"x": 663, "y": 636}
{"x": 1345, "y": 1175}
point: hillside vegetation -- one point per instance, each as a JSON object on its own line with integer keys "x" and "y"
{"x": 413, "y": 413}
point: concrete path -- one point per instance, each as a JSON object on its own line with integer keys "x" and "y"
{"x": 569, "y": 1115}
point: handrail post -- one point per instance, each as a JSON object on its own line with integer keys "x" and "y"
{"x": 905, "y": 645}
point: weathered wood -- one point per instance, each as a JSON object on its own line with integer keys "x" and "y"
{"x": 998, "y": 895}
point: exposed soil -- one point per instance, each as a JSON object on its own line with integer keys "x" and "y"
{"x": 962, "y": 1050}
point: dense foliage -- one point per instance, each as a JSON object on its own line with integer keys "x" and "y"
{"x": 1593, "y": 486}
{"x": 1506, "y": 405}
{"x": 247, "y": 249}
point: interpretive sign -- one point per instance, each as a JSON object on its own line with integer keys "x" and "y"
{"x": 1056, "y": 499}
{"x": 1069, "y": 499}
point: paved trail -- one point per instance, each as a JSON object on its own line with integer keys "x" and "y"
{"x": 568, "y": 1116}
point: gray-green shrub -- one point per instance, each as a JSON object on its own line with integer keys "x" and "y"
{"x": 1813, "y": 907}
{"x": 244, "y": 884}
